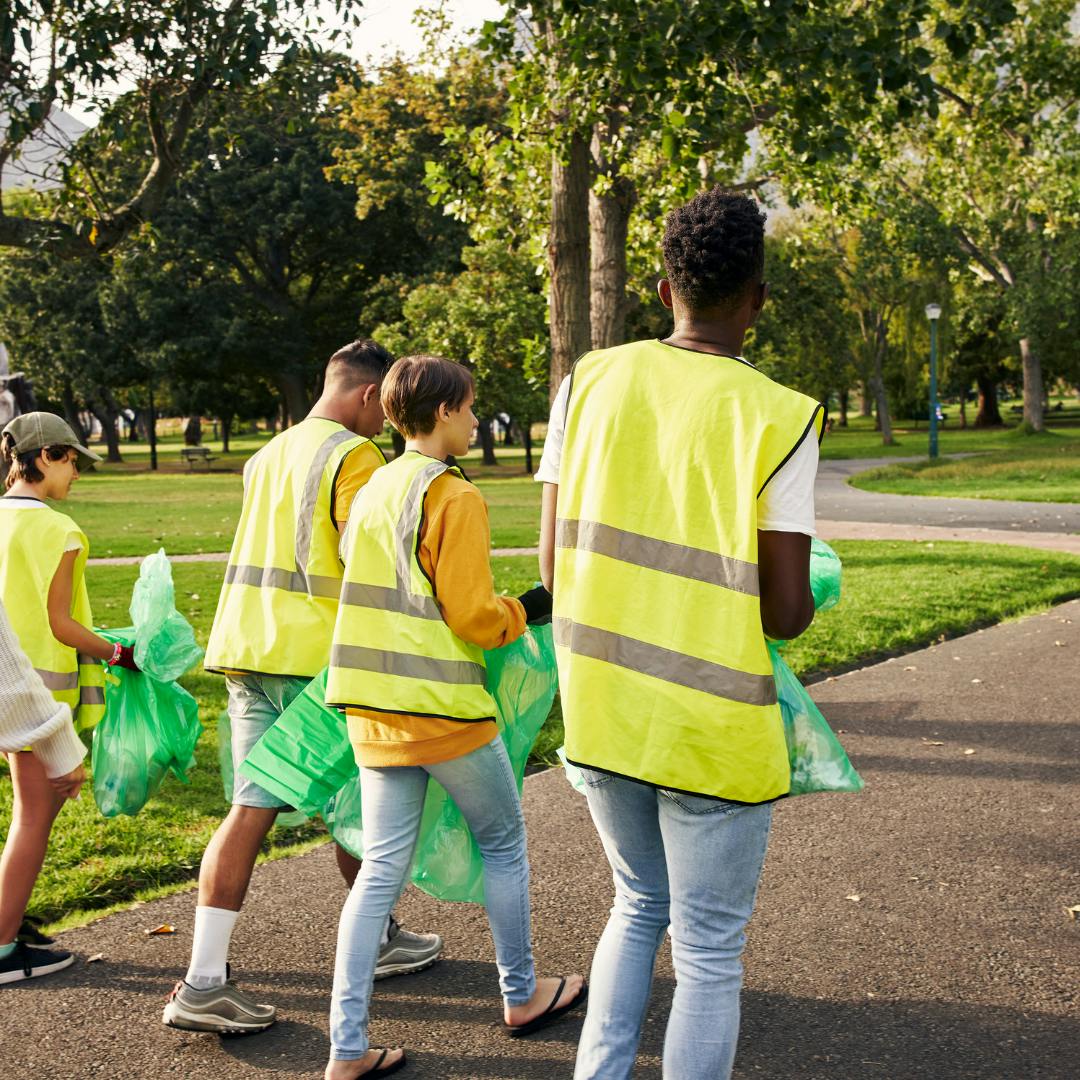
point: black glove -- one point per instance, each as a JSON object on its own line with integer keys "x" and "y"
{"x": 537, "y": 604}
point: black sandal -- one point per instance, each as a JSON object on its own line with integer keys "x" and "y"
{"x": 376, "y": 1069}
{"x": 550, "y": 1014}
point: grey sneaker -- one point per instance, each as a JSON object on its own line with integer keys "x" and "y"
{"x": 225, "y": 1009}
{"x": 406, "y": 952}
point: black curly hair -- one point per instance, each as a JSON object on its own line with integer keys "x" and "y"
{"x": 714, "y": 249}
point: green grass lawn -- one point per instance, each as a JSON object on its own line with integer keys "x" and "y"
{"x": 129, "y": 512}
{"x": 897, "y": 596}
{"x": 1037, "y": 468}
{"x": 860, "y": 440}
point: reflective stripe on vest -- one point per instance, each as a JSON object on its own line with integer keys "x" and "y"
{"x": 663, "y": 669}
{"x": 280, "y": 593}
{"x": 658, "y": 554}
{"x": 59, "y": 680}
{"x": 33, "y": 540}
{"x": 392, "y": 649}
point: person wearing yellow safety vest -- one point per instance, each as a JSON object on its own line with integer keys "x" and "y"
{"x": 676, "y": 522}
{"x": 43, "y": 589}
{"x": 418, "y": 609}
{"x": 271, "y": 635}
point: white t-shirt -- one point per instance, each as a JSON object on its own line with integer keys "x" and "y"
{"x": 786, "y": 504}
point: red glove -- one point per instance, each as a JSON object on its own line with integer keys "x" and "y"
{"x": 125, "y": 658}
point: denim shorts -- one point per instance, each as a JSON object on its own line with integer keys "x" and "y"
{"x": 255, "y": 703}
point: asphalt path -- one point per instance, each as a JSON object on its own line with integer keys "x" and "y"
{"x": 837, "y": 500}
{"x": 916, "y": 930}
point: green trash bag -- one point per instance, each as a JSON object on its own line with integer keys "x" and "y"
{"x": 165, "y": 645}
{"x": 288, "y": 820}
{"x": 150, "y": 729}
{"x": 818, "y": 761}
{"x": 306, "y": 758}
{"x": 307, "y": 752}
{"x": 825, "y": 572}
{"x": 151, "y": 724}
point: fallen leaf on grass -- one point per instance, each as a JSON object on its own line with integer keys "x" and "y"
{"x": 1073, "y": 912}
{"x": 854, "y": 897}
{"x": 164, "y": 928}
{"x": 95, "y": 958}
{"x": 932, "y": 742}
{"x": 1059, "y": 644}
{"x": 976, "y": 680}
{"x": 969, "y": 751}
{"x": 911, "y": 667}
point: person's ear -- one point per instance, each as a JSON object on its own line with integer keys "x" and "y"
{"x": 370, "y": 391}
{"x": 663, "y": 290}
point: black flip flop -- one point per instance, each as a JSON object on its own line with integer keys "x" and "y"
{"x": 550, "y": 1014}
{"x": 375, "y": 1070}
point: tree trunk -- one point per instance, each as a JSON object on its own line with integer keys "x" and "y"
{"x": 226, "y": 430}
{"x": 877, "y": 385}
{"x": 526, "y": 439}
{"x": 963, "y": 410}
{"x": 844, "y": 397}
{"x": 609, "y": 223}
{"x": 294, "y": 398}
{"x": 1033, "y": 385}
{"x": 487, "y": 442}
{"x": 104, "y": 407}
{"x": 866, "y": 405}
{"x": 568, "y": 259}
{"x": 193, "y": 431}
{"x": 71, "y": 412}
{"x": 399, "y": 442}
{"x": 988, "y": 413}
{"x": 151, "y": 426}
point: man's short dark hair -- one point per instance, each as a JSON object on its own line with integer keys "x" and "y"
{"x": 358, "y": 364}
{"x": 714, "y": 249}
{"x": 415, "y": 388}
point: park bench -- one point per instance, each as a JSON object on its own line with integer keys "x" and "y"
{"x": 197, "y": 455}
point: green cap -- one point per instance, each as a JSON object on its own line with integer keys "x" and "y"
{"x": 36, "y": 430}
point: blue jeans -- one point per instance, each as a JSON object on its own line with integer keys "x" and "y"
{"x": 482, "y": 784}
{"x": 686, "y": 862}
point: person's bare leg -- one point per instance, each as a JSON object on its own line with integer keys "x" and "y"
{"x": 349, "y": 865}
{"x": 36, "y": 805}
{"x": 230, "y": 856}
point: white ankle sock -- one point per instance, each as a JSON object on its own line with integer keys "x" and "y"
{"x": 210, "y": 947}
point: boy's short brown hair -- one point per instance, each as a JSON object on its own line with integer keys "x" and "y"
{"x": 416, "y": 386}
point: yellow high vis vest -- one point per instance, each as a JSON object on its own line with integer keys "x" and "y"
{"x": 663, "y": 668}
{"x": 392, "y": 650}
{"x": 32, "y": 543}
{"x": 275, "y": 614}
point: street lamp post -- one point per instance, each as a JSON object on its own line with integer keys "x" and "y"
{"x": 933, "y": 313}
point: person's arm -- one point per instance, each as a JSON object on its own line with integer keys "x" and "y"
{"x": 64, "y": 628}
{"x": 457, "y": 541}
{"x": 787, "y": 605}
{"x": 548, "y": 475}
{"x": 548, "y": 503}
{"x": 785, "y": 526}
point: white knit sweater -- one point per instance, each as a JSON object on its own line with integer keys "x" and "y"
{"x": 29, "y": 715}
